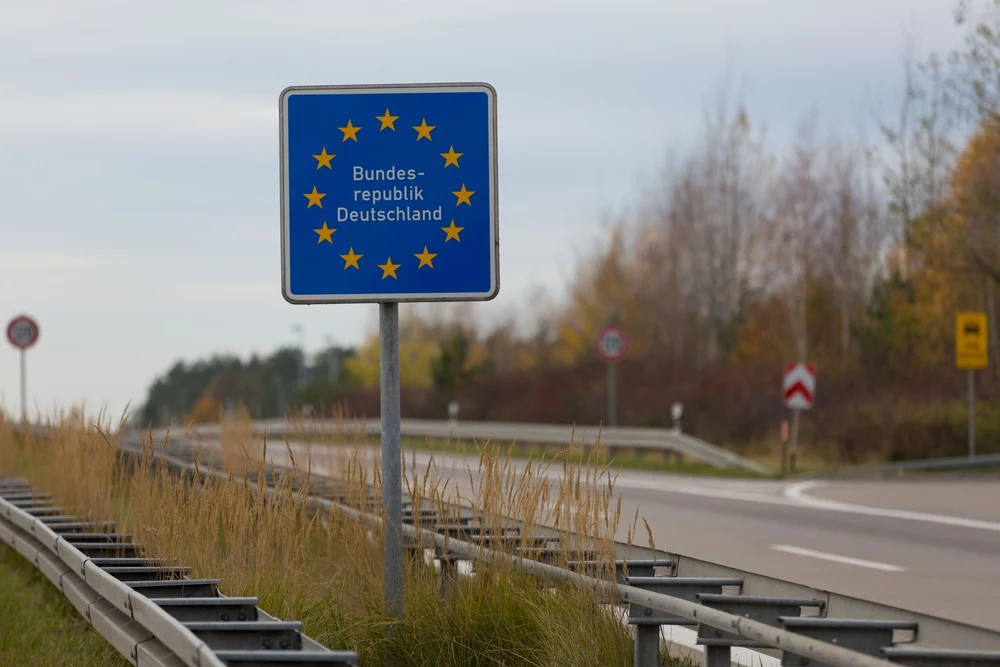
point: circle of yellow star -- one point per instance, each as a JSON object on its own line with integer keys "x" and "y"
{"x": 323, "y": 159}
{"x": 350, "y": 131}
{"x": 387, "y": 120}
{"x": 424, "y": 130}
{"x": 451, "y": 232}
{"x": 351, "y": 259}
{"x": 451, "y": 157}
{"x": 314, "y": 198}
{"x": 388, "y": 269}
{"x": 426, "y": 258}
{"x": 325, "y": 233}
{"x": 464, "y": 196}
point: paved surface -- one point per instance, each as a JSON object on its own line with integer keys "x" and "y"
{"x": 971, "y": 497}
{"x": 929, "y": 546}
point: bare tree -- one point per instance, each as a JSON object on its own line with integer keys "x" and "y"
{"x": 856, "y": 231}
{"x": 921, "y": 158}
{"x": 700, "y": 245}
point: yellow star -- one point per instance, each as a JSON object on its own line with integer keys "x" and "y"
{"x": 387, "y": 121}
{"x": 425, "y": 258}
{"x": 350, "y": 132}
{"x": 351, "y": 259}
{"x": 464, "y": 196}
{"x": 451, "y": 157}
{"x": 424, "y": 130}
{"x": 314, "y": 198}
{"x": 323, "y": 159}
{"x": 451, "y": 232}
{"x": 388, "y": 269}
{"x": 325, "y": 233}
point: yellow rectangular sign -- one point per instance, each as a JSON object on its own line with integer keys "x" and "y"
{"x": 971, "y": 342}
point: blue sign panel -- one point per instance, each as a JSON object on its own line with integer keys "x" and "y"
{"x": 389, "y": 193}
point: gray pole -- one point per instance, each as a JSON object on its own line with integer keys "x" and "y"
{"x": 330, "y": 361}
{"x": 794, "y": 436}
{"x": 972, "y": 415}
{"x": 24, "y": 387}
{"x": 302, "y": 358}
{"x": 282, "y": 402}
{"x": 392, "y": 474}
{"x": 612, "y": 395}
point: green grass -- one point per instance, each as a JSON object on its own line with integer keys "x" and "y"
{"x": 38, "y": 626}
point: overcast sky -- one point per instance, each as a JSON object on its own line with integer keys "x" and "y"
{"x": 139, "y": 145}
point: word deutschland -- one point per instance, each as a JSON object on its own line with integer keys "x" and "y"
{"x": 398, "y": 214}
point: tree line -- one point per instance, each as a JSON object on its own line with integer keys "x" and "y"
{"x": 853, "y": 252}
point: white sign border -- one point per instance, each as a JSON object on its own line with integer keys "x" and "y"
{"x": 493, "y": 179}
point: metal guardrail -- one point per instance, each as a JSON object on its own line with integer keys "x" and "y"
{"x": 151, "y": 611}
{"x": 949, "y": 464}
{"x": 665, "y": 440}
{"x": 728, "y": 607}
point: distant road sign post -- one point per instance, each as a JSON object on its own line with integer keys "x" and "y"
{"x": 799, "y": 390}
{"x": 23, "y": 332}
{"x": 971, "y": 354}
{"x": 612, "y": 346}
{"x": 389, "y": 195}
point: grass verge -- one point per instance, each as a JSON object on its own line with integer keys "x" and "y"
{"x": 618, "y": 458}
{"x": 326, "y": 570}
{"x": 766, "y": 452}
{"x": 38, "y": 626}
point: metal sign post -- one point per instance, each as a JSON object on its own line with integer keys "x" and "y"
{"x": 972, "y": 414}
{"x": 22, "y": 332}
{"x": 389, "y": 195}
{"x": 392, "y": 475}
{"x": 971, "y": 354}
{"x": 612, "y": 346}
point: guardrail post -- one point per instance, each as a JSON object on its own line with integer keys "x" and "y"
{"x": 718, "y": 656}
{"x": 647, "y": 646}
{"x": 448, "y": 576}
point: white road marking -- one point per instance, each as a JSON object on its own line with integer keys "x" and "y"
{"x": 792, "y": 496}
{"x": 846, "y": 560}
{"x": 797, "y": 492}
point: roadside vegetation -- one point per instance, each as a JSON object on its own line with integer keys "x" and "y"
{"x": 849, "y": 245}
{"x": 325, "y": 569}
{"x": 38, "y": 626}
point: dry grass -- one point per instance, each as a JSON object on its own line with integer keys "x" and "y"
{"x": 326, "y": 569}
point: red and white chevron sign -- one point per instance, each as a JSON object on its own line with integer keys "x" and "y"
{"x": 799, "y": 386}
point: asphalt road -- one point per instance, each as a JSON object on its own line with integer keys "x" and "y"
{"x": 929, "y": 546}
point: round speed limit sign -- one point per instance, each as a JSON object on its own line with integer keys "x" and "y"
{"x": 22, "y": 332}
{"x": 612, "y": 344}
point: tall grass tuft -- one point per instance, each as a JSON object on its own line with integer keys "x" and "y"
{"x": 326, "y": 569}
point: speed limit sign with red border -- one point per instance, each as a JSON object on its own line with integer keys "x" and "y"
{"x": 612, "y": 344}
{"x": 22, "y": 332}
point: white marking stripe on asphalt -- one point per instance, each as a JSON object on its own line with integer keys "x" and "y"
{"x": 797, "y": 492}
{"x": 792, "y": 496}
{"x": 846, "y": 560}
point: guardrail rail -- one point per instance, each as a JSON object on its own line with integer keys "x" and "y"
{"x": 975, "y": 464}
{"x": 655, "y": 439}
{"x": 728, "y": 608}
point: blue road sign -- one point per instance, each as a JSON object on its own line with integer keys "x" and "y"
{"x": 389, "y": 193}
